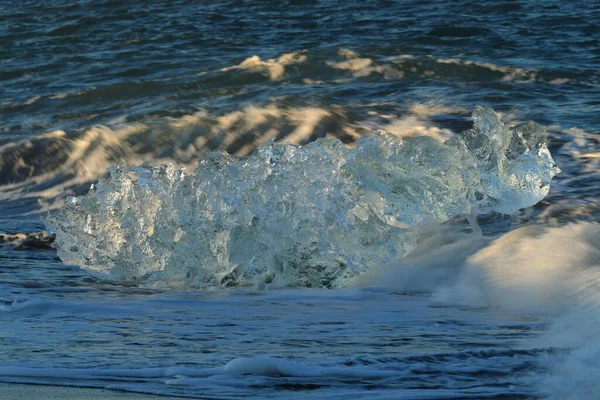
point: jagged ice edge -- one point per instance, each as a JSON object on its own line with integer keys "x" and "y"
{"x": 314, "y": 215}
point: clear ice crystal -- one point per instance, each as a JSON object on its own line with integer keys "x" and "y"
{"x": 315, "y": 215}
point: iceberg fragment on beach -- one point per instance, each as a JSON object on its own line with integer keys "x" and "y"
{"x": 314, "y": 215}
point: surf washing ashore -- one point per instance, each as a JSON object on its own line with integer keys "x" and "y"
{"x": 20, "y": 392}
{"x": 286, "y": 199}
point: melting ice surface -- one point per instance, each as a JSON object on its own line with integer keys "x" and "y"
{"x": 316, "y": 215}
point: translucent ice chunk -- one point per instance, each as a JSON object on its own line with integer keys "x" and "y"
{"x": 514, "y": 164}
{"x": 315, "y": 215}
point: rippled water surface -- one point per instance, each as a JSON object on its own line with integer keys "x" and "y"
{"x": 86, "y": 86}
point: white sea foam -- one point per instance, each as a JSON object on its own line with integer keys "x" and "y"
{"x": 274, "y": 68}
{"x": 534, "y": 270}
{"x": 416, "y": 121}
{"x": 353, "y": 65}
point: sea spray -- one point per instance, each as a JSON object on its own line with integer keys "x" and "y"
{"x": 315, "y": 215}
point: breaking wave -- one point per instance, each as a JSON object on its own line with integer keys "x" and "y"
{"x": 315, "y": 216}
{"x": 541, "y": 270}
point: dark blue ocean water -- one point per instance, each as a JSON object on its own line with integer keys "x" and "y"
{"x": 91, "y": 62}
{"x": 88, "y": 85}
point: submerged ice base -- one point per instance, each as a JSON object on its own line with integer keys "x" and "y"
{"x": 315, "y": 215}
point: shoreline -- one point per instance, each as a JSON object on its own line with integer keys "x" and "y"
{"x": 20, "y": 391}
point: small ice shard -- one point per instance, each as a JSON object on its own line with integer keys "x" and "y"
{"x": 314, "y": 215}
